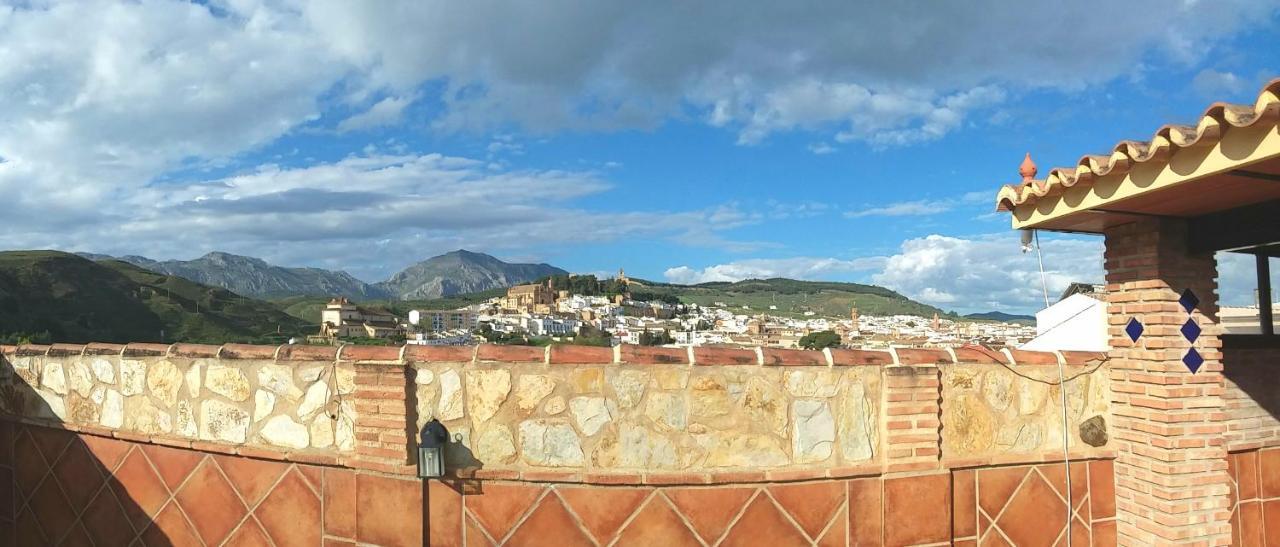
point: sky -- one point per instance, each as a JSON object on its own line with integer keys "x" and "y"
{"x": 684, "y": 142}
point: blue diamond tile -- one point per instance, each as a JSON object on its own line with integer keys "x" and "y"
{"x": 1193, "y": 360}
{"x": 1134, "y": 329}
{"x": 1188, "y": 300}
{"x": 1191, "y": 331}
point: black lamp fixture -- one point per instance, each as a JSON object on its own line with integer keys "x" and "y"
{"x": 431, "y": 450}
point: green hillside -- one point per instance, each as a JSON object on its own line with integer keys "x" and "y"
{"x": 793, "y": 298}
{"x": 307, "y": 308}
{"x": 49, "y": 296}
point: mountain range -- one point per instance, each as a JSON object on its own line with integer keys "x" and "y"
{"x": 453, "y": 273}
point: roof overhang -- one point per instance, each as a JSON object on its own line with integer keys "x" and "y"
{"x": 1229, "y": 160}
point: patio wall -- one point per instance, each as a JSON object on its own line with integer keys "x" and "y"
{"x": 626, "y": 444}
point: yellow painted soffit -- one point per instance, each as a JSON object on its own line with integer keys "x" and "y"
{"x": 1238, "y": 148}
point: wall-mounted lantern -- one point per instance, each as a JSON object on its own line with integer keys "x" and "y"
{"x": 431, "y": 450}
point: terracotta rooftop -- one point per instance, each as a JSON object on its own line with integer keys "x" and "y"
{"x": 1167, "y": 141}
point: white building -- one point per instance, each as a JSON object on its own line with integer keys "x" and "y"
{"x": 1076, "y": 323}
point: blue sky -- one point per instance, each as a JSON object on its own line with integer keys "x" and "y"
{"x": 683, "y": 142}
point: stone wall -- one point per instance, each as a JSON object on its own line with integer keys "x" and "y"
{"x": 280, "y": 398}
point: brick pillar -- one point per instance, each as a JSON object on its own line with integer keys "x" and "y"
{"x": 386, "y": 419}
{"x": 912, "y": 408}
{"x": 1171, "y": 467}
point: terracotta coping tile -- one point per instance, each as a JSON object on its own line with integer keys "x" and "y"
{"x": 848, "y": 357}
{"x": 299, "y": 352}
{"x": 613, "y": 478}
{"x": 32, "y": 349}
{"x": 487, "y": 474}
{"x": 63, "y": 350}
{"x": 8, "y": 350}
{"x": 979, "y": 355}
{"x": 511, "y": 354}
{"x": 793, "y": 357}
{"x": 196, "y": 351}
{"x": 783, "y": 475}
{"x": 369, "y": 353}
{"x": 1023, "y": 358}
{"x": 676, "y": 478}
{"x": 581, "y": 355}
{"x": 647, "y": 355}
{"x": 551, "y": 476}
{"x": 314, "y": 459}
{"x": 1082, "y": 357}
{"x": 99, "y": 348}
{"x": 247, "y": 351}
{"x": 724, "y": 356}
{"x": 137, "y": 349}
{"x": 439, "y": 354}
{"x": 913, "y": 356}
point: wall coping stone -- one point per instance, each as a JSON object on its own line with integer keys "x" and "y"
{"x": 574, "y": 355}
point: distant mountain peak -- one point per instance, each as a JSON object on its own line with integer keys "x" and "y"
{"x": 461, "y": 272}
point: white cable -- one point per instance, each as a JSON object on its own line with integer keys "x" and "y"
{"x": 1066, "y": 457}
{"x": 1044, "y": 286}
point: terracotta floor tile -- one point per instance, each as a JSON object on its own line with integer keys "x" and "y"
{"x": 290, "y": 514}
{"x": 1250, "y": 515}
{"x": 382, "y": 506}
{"x": 340, "y": 502}
{"x": 79, "y": 475}
{"x": 603, "y": 510}
{"x": 28, "y": 465}
{"x": 1246, "y": 469}
{"x": 249, "y": 534}
{"x": 52, "y": 510}
{"x": 173, "y": 464}
{"x": 996, "y": 485}
{"x": 549, "y": 525}
{"x": 500, "y": 505}
{"x": 1053, "y": 474}
{"x": 1271, "y": 522}
{"x": 444, "y": 514}
{"x": 1035, "y": 515}
{"x": 709, "y": 510}
{"x": 27, "y": 530}
{"x": 917, "y": 509}
{"x": 211, "y": 504}
{"x": 763, "y": 523}
{"x": 837, "y": 534}
{"x": 250, "y": 477}
{"x": 475, "y": 535}
{"x": 964, "y": 503}
{"x": 78, "y": 537}
{"x": 811, "y": 504}
{"x": 106, "y": 521}
{"x": 994, "y": 539}
{"x": 139, "y": 490}
{"x": 170, "y": 529}
{"x": 1079, "y": 535}
{"x": 313, "y": 474}
{"x": 7, "y": 494}
{"x": 6, "y": 443}
{"x": 657, "y": 524}
{"x": 51, "y": 442}
{"x": 1269, "y": 472}
{"x": 866, "y": 512}
{"x": 109, "y": 452}
{"x": 1104, "y": 534}
{"x": 1102, "y": 489}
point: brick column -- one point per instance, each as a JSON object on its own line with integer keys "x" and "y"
{"x": 1171, "y": 467}
{"x": 386, "y": 419}
{"x": 911, "y": 416}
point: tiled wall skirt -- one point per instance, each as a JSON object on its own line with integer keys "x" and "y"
{"x": 1255, "y": 496}
{"x": 73, "y": 489}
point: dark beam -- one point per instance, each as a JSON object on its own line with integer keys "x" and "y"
{"x": 1255, "y": 175}
{"x": 1236, "y": 229}
{"x": 1264, "y": 295}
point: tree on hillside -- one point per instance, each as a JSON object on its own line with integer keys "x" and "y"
{"x": 820, "y": 340}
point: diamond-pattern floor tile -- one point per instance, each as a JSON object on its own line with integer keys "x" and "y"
{"x": 173, "y": 464}
{"x": 170, "y": 529}
{"x": 1035, "y": 514}
{"x": 996, "y": 485}
{"x": 53, "y": 511}
{"x": 657, "y": 524}
{"x": 106, "y": 520}
{"x": 709, "y": 510}
{"x": 79, "y": 475}
{"x": 764, "y": 524}
{"x": 291, "y": 512}
{"x": 249, "y": 534}
{"x": 250, "y": 477}
{"x": 603, "y": 510}
{"x": 140, "y": 491}
{"x": 811, "y": 504}
{"x": 550, "y": 525}
{"x": 51, "y": 442}
{"x": 212, "y": 505}
{"x": 500, "y": 506}
{"x": 29, "y": 466}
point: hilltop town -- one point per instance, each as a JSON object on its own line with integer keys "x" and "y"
{"x": 543, "y": 312}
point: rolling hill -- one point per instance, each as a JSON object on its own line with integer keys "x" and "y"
{"x": 462, "y": 272}
{"x": 55, "y": 296}
{"x": 794, "y": 298}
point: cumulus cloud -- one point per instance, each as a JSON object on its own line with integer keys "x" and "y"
{"x": 760, "y": 268}
{"x": 386, "y": 112}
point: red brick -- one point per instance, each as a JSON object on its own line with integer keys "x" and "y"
{"x": 581, "y": 355}
{"x": 136, "y": 349}
{"x": 724, "y": 356}
{"x": 369, "y": 353}
{"x": 908, "y": 356}
{"x": 439, "y": 354}
{"x": 195, "y": 351}
{"x": 853, "y": 357}
{"x": 63, "y": 350}
{"x": 791, "y": 357}
{"x": 297, "y": 352}
{"x": 648, "y": 355}
{"x": 99, "y": 348}
{"x": 511, "y": 354}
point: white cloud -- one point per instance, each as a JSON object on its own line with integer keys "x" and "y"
{"x": 1216, "y": 85}
{"x": 822, "y": 149}
{"x": 386, "y": 112}
{"x": 921, "y": 207}
{"x": 760, "y": 268}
